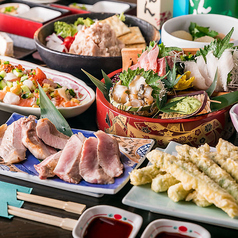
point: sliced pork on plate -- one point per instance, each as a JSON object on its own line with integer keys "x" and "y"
{"x": 12, "y": 149}
{"x": 47, "y": 131}
{"x": 32, "y": 142}
{"x": 67, "y": 167}
{"x": 109, "y": 154}
{"x": 89, "y": 166}
{"x": 3, "y": 128}
{"x": 47, "y": 166}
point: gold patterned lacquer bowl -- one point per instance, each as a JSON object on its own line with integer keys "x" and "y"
{"x": 194, "y": 131}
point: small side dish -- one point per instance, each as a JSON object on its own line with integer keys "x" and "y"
{"x": 165, "y": 228}
{"x": 198, "y": 33}
{"x": 14, "y": 8}
{"x": 107, "y": 221}
{"x": 20, "y": 86}
{"x": 19, "y": 83}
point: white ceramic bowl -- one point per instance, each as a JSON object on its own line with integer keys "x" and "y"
{"x": 178, "y": 227}
{"x": 234, "y": 115}
{"x": 21, "y": 8}
{"x": 110, "y": 212}
{"x": 219, "y": 23}
{"x": 64, "y": 79}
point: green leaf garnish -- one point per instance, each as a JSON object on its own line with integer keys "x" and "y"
{"x": 199, "y": 31}
{"x": 225, "y": 100}
{"x": 99, "y": 84}
{"x": 217, "y": 46}
{"x": 171, "y": 80}
{"x": 48, "y": 110}
{"x": 108, "y": 81}
{"x": 211, "y": 89}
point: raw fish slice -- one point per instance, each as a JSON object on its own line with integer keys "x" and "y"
{"x": 152, "y": 58}
{"x": 89, "y": 166}
{"x": 202, "y": 67}
{"x": 47, "y": 166}
{"x": 141, "y": 59}
{"x": 225, "y": 65}
{"x": 32, "y": 142}
{"x": 109, "y": 154}
{"x": 12, "y": 149}
{"x": 67, "y": 167}
{"x": 199, "y": 81}
{"x": 212, "y": 64}
{"x": 47, "y": 131}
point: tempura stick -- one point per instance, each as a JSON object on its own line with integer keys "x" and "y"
{"x": 209, "y": 167}
{"x": 192, "y": 178}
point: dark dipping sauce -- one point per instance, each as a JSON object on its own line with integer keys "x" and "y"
{"x": 171, "y": 235}
{"x": 105, "y": 227}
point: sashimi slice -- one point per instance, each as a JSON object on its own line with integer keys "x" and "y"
{"x": 68, "y": 166}
{"x": 109, "y": 154}
{"x": 89, "y": 166}
{"x": 47, "y": 166}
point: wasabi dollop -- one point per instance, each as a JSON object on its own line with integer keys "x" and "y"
{"x": 187, "y": 105}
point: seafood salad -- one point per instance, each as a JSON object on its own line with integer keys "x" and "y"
{"x": 166, "y": 83}
{"x": 20, "y": 86}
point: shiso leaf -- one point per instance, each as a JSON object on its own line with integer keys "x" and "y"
{"x": 48, "y": 110}
{"x": 108, "y": 81}
{"x": 218, "y": 46}
{"x": 211, "y": 89}
{"x": 99, "y": 84}
{"x": 225, "y": 100}
{"x": 198, "y": 31}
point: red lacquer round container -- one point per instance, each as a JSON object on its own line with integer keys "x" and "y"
{"x": 194, "y": 131}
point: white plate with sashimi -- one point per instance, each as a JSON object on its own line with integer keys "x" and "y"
{"x": 131, "y": 154}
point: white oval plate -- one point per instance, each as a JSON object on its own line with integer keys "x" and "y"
{"x": 22, "y": 8}
{"x": 62, "y": 78}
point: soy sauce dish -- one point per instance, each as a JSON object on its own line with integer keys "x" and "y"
{"x": 165, "y": 228}
{"x": 107, "y": 221}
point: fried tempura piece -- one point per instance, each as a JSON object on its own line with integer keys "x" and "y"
{"x": 144, "y": 175}
{"x": 227, "y": 149}
{"x": 177, "y": 192}
{"x": 192, "y": 178}
{"x": 202, "y": 159}
{"x": 228, "y": 164}
{"x": 198, "y": 199}
{"x": 162, "y": 182}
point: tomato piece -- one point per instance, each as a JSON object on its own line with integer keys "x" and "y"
{"x": 68, "y": 41}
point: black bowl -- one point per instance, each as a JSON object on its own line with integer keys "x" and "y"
{"x": 71, "y": 63}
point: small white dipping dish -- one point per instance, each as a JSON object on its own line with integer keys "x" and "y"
{"x": 111, "y": 212}
{"x": 112, "y": 7}
{"x": 219, "y": 23}
{"x": 20, "y": 8}
{"x": 177, "y": 227}
{"x": 40, "y": 14}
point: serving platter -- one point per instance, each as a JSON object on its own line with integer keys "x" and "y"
{"x": 133, "y": 153}
{"x": 64, "y": 79}
{"x": 144, "y": 198}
